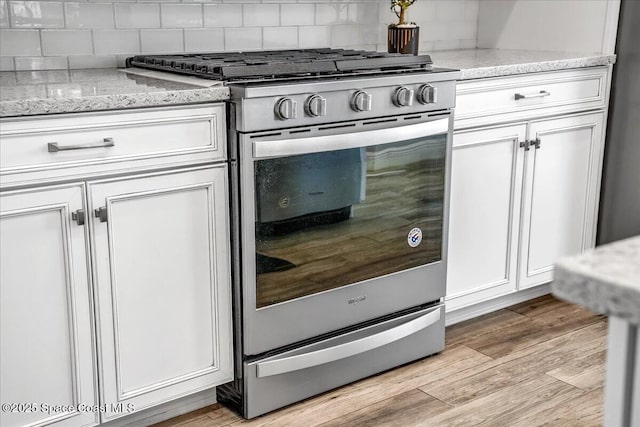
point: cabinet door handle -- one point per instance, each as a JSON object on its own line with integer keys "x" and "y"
{"x": 536, "y": 142}
{"x": 78, "y": 216}
{"x": 540, "y": 94}
{"x": 525, "y": 144}
{"x": 53, "y": 147}
{"x": 101, "y": 213}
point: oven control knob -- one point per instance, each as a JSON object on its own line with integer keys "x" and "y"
{"x": 286, "y": 108}
{"x": 403, "y": 97}
{"x": 427, "y": 94}
{"x": 361, "y": 101}
{"x": 315, "y": 106}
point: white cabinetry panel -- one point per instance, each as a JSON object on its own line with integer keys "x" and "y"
{"x": 562, "y": 190}
{"x": 47, "y": 352}
{"x": 485, "y": 201}
{"x": 162, "y": 278}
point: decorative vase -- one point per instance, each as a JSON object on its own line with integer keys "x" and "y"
{"x": 403, "y": 39}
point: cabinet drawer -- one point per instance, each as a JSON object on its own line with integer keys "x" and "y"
{"x": 533, "y": 95}
{"x": 112, "y": 140}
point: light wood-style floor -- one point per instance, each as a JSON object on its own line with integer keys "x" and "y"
{"x": 540, "y": 363}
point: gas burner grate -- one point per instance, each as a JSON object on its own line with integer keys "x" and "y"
{"x": 277, "y": 64}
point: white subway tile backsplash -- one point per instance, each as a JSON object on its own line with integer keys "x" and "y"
{"x": 181, "y": 15}
{"x": 280, "y": 38}
{"x": 332, "y": 13}
{"x": 204, "y": 40}
{"x": 6, "y": 63}
{"x": 242, "y": 38}
{"x": 348, "y": 35}
{"x": 161, "y": 41}
{"x": 446, "y": 44}
{"x": 469, "y": 44}
{"x": 42, "y": 63}
{"x": 4, "y": 15}
{"x": 81, "y": 62}
{"x": 316, "y": 36}
{"x": 297, "y": 14}
{"x": 449, "y": 10}
{"x": 421, "y": 12}
{"x": 36, "y": 14}
{"x": 102, "y": 33}
{"x": 110, "y": 42}
{"x": 261, "y": 15}
{"x": 140, "y": 15}
{"x": 89, "y": 15}
{"x": 222, "y": 15}
{"x": 66, "y": 42}
{"x": 20, "y": 43}
{"x": 471, "y": 10}
{"x": 363, "y": 13}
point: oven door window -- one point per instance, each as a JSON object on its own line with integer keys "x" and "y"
{"x": 331, "y": 219}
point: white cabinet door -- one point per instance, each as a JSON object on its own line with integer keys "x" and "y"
{"x": 562, "y": 184}
{"x": 47, "y": 360}
{"x": 163, "y": 284}
{"x": 486, "y": 192}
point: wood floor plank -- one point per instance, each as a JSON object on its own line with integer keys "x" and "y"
{"x": 524, "y": 332}
{"x": 403, "y": 410}
{"x": 486, "y": 325}
{"x": 583, "y": 411}
{"x": 586, "y": 372}
{"x": 214, "y": 415}
{"x": 538, "y": 306}
{"x": 517, "y": 367}
{"x": 509, "y": 405}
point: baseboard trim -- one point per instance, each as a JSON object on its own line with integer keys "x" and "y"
{"x": 495, "y": 304}
{"x": 166, "y": 411}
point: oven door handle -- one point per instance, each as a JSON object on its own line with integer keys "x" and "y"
{"x": 316, "y": 144}
{"x": 342, "y": 351}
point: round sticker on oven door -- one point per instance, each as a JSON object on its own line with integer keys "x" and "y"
{"x": 414, "y": 237}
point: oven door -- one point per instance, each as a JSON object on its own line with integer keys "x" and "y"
{"x": 341, "y": 225}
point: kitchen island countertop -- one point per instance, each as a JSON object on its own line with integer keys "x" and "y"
{"x": 605, "y": 280}
{"x": 27, "y": 93}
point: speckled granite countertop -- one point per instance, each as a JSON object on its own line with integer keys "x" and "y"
{"x": 25, "y": 93}
{"x": 605, "y": 280}
{"x": 483, "y": 63}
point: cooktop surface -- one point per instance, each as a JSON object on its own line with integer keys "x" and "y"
{"x": 283, "y": 64}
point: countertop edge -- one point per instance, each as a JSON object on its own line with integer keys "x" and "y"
{"x": 578, "y": 280}
{"x": 33, "y": 107}
{"x": 534, "y": 67}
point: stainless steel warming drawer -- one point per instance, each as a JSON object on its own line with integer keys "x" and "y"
{"x": 340, "y": 360}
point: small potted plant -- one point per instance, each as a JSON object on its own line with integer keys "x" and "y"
{"x": 402, "y": 37}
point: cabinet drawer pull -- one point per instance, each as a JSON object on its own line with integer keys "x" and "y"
{"x": 101, "y": 213}
{"x": 53, "y": 147}
{"x": 540, "y": 94}
{"x": 78, "y": 216}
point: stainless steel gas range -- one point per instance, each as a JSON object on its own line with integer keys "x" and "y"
{"x": 339, "y": 169}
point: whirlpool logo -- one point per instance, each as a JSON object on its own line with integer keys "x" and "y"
{"x": 356, "y": 300}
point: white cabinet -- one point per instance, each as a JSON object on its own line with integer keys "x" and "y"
{"x": 562, "y": 186}
{"x": 524, "y": 193}
{"x": 486, "y": 191}
{"x": 161, "y": 264}
{"x": 139, "y": 313}
{"x": 46, "y": 341}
